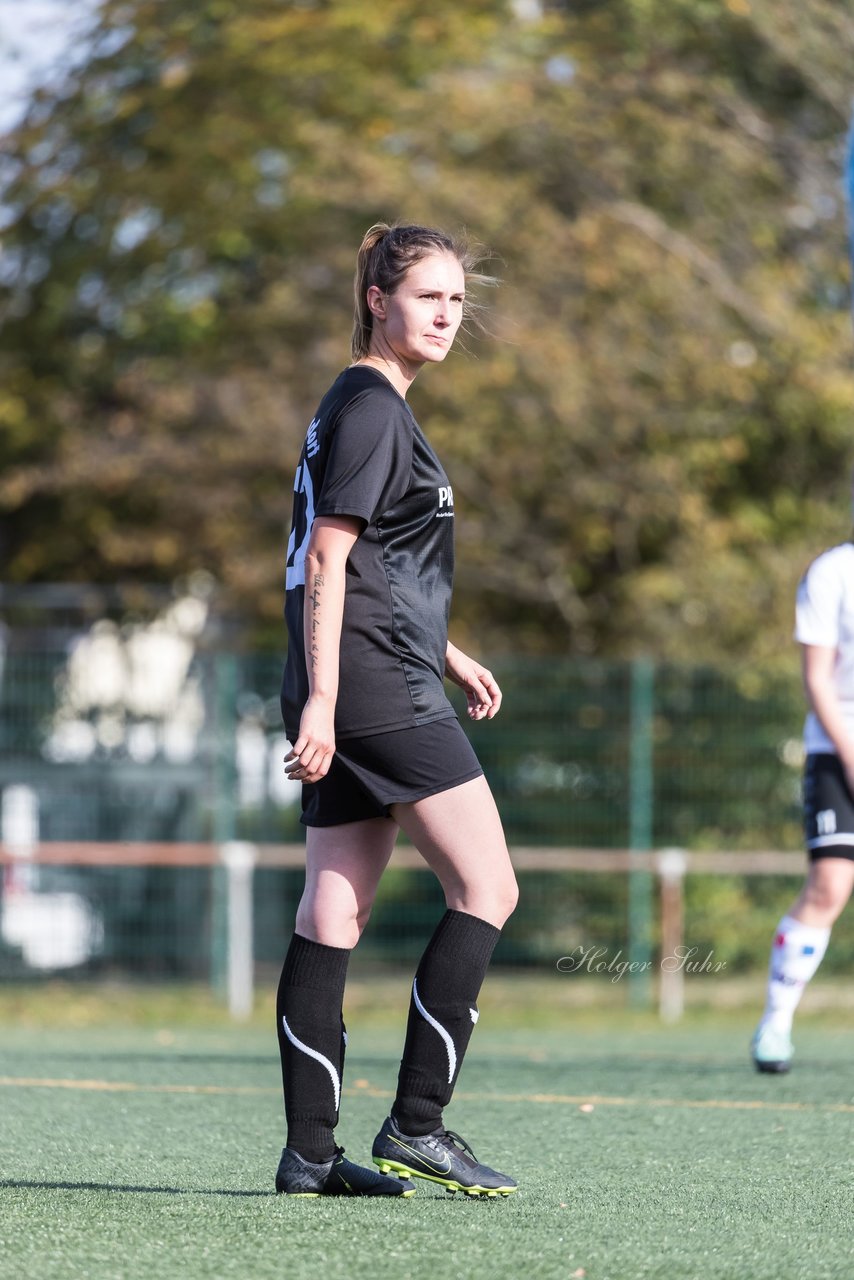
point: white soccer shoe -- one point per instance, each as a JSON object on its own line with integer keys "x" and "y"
{"x": 771, "y": 1050}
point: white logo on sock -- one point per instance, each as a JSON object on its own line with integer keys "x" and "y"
{"x": 437, "y": 1026}
{"x": 318, "y": 1057}
{"x": 474, "y": 1015}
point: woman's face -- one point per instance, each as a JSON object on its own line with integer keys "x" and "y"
{"x": 419, "y": 321}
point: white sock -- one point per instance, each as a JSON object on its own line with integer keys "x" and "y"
{"x": 797, "y": 951}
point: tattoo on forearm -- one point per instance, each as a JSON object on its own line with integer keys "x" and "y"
{"x": 314, "y": 600}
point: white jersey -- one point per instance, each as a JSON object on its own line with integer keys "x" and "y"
{"x": 824, "y": 616}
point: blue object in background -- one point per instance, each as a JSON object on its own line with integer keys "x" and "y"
{"x": 849, "y": 191}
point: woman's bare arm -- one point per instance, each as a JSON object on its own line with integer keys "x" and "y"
{"x": 330, "y": 544}
{"x": 479, "y": 685}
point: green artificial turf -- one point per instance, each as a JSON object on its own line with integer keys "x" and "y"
{"x": 150, "y": 1152}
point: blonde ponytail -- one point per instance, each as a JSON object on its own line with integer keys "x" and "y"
{"x": 363, "y": 320}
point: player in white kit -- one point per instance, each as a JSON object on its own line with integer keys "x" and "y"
{"x": 825, "y": 630}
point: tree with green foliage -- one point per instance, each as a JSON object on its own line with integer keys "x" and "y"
{"x": 653, "y": 441}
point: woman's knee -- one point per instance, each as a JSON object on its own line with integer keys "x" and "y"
{"x": 332, "y": 928}
{"x": 494, "y": 901}
{"x": 829, "y": 899}
{"x": 511, "y": 897}
{"x": 827, "y": 891}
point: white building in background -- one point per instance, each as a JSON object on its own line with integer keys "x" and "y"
{"x": 132, "y": 688}
{"x": 134, "y": 693}
{"x": 52, "y": 930}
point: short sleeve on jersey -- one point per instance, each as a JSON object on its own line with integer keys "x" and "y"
{"x": 819, "y": 600}
{"x": 370, "y": 457}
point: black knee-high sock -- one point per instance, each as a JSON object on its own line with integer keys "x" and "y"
{"x": 311, "y": 1035}
{"x": 442, "y": 1014}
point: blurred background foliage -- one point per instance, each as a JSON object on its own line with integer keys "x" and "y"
{"x": 648, "y": 447}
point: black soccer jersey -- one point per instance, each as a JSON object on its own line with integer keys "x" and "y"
{"x": 365, "y": 456}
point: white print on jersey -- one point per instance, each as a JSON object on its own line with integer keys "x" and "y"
{"x": 446, "y": 499}
{"x": 825, "y": 822}
{"x": 296, "y": 570}
{"x": 311, "y": 445}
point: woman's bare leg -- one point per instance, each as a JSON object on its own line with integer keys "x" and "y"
{"x": 800, "y": 941}
{"x": 460, "y": 836}
{"x": 825, "y": 893}
{"x": 343, "y": 867}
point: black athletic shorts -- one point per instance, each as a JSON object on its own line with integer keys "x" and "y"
{"x": 828, "y": 809}
{"x": 367, "y": 775}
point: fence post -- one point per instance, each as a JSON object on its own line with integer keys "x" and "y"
{"x": 19, "y": 834}
{"x": 225, "y": 686}
{"x": 672, "y": 865}
{"x": 640, "y": 829}
{"x": 239, "y": 858}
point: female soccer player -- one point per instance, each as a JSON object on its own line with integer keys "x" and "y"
{"x": 825, "y": 629}
{"x": 376, "y": 742}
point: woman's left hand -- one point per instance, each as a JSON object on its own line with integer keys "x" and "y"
{"x": 481, "y": 688}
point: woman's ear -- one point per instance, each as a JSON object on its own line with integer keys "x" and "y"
{"x": 376, "y": 302}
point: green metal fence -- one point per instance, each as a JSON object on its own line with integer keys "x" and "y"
{"x": 584, "y": 754}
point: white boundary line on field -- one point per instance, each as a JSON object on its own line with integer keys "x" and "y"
{"x": 367, "y": 1090}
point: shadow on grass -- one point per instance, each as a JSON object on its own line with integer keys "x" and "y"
{"x": 25, "y": 1184}
{"x": 438, "y": 1193}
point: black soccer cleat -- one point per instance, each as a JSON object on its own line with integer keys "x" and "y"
{"x": 296, "y": 1176}
{"x": 441, "y": 1156}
